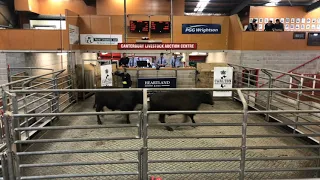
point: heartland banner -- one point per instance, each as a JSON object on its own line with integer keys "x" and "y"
{"x": 157, "y": 82}
{"x": 185, "y": 46}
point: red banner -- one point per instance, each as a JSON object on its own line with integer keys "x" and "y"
{"x": 185, "y": 46}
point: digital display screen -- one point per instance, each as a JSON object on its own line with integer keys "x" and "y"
{"x": 313, "y": 39}
{"x": 139, "y": 26}
{"x": 160, "y": 27}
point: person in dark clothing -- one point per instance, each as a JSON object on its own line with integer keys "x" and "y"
{"x": 269, "y": 26}
{"x": 278, "y": 26}
{"x": 124, "y": 61}
{"x": 126, "y": 78}
{"x": 252, "y": 26}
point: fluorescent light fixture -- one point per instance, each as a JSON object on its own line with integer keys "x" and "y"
{"x": 272, "y": 3}
{"x": 316, "y": 34}
{"x": 61, "y": 54}
{"x": 104, "y": 53}
{"x": 201, "y": 5}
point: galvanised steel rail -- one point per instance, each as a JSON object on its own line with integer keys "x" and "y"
{"x": 143, "y": 127}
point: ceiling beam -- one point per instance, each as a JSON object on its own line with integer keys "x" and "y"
{"x": 313, "y": 6}
{"x": 239, "y": 7}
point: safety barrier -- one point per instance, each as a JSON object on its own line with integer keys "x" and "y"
{"x": 244, "y": 151}
{"x": 273, "y": 100}
{"x": 34, "y": 102}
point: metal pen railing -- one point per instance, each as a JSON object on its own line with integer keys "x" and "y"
{"x": 144, "y": 128}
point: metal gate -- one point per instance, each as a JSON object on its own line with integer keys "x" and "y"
{"x": 227, "y": 143}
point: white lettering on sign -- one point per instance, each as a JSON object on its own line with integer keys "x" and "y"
{"x": 158, "y": 46}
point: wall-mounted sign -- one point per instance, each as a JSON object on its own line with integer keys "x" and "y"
{"x": 201, "y": 29}
{"x": 158, "y": 46}
{"x": 222, "y": 79}
{"x": 299, "y": 35}
{"x": 73, "y": 34}
{"x": 157, "y": 82}
{"x": 100, "y": 39}
{"x": 313, "y": 39}
{"x": 106, "y": 75}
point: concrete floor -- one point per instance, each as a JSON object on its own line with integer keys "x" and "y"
{"x": 169, "y": 143}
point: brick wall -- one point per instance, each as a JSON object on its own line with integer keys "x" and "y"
{"x": 3, "y": 68}
{"x": 276, "y": 60}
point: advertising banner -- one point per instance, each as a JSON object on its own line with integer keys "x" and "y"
{"x": 185, "y": 46}
{"x": 201, "y": 28}
{"x": 106, "y": 75}
{"x": 222, "y": 79}
{"x": 157, "y": 82}
{"x": 100, "y": 39}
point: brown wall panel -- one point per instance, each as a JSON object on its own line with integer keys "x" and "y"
{"x": 160, "y": 7}
{"x": 34, "y": 6}
{"x": 20, "y": 39}
{"x": 282, "y": 12}
{"x": 235, "y": 33}
{"x": 58, "y": 7}
{"x": 274, "y": 41}
{"x": 21, "y": 5}
{"x": 4, "y": 39}
{"x": 72, "y": 18}
{"x": 248, "y": 41}
{"x": 47, "y": 40}
{"x": 204, "y": 41}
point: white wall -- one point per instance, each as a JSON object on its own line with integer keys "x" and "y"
{"x": 216, "y": 57}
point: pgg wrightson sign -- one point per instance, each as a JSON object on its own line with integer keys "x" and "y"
{"x": 201, "y": 29}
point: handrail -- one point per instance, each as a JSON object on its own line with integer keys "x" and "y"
{"x": 31, "y": 68}
{"x": 302, "y": 65}
{"x": 280, "y": 72}
{"x": 31, "y": 78}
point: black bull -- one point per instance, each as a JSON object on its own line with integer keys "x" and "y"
{"x": 161, "y": 101}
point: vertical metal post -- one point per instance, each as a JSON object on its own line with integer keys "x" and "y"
{"x": 269, "y": 96}
{"x": 249, "y": 81}
{"x": 298, "y": 103}
{"x": 144, "y": 150}
{"x": 171, "y": 22}
{"x": 56, "y": 97}
{"x": 16, "y": 121}
{"x": 4, "y": 100}
{"x": 243, "y": 136}
{"x": 4, "y": 165}
{"x": 125, "y": 20}
{"x": 83, "y": 86}
{"x": 9, "y": 143}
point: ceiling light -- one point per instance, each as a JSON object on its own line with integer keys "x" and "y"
{"x": 315, "y": 34}
{"x": 201, "y": 5}
{"x": 270, "y": 4}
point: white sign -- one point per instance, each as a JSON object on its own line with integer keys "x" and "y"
{"x": 73, "y": 34}
{"x": 100, "y": 39}
{"x": 106, "y": 75}
{"x": 222, "y": 79}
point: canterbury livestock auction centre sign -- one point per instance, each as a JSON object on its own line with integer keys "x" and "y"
{"x": 201, "y": 29}
{"x": 185, "y": 46}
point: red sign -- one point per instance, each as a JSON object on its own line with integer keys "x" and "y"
{"x": 158, "y": 46}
